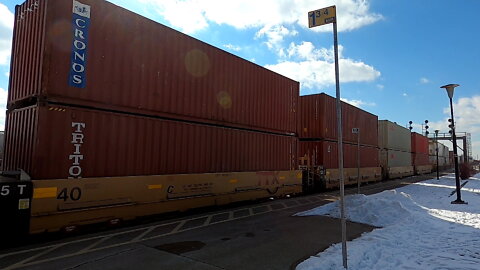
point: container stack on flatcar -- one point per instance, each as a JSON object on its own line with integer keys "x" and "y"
{"x": 420, "y": 159}
{"x": 395, "y": 145}
{"x": 98, "y": 91}
{"x": 444, "y": 161}
{"x": 159, "y": 89}
{"x": 318, "y": 145}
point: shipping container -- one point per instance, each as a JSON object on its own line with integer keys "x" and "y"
{"x": 325, "y": 153}
{"x": 442, "y": 161}
{"x": 419, "y": 144}
{"x": 393, "y": 137}
{"x": 103, "y": 56}
{"x": 56, "y": 142}
{"x": 443, "y": 150}
{"x": 419, "y": 159}
{"x": 393, "y": 158}
{"x": 318, "y": 120}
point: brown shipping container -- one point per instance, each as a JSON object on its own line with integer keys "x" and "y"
{"x": 318, "y": 120}
{"x": 419, "y": 144}
{"x": 419, "y": 159}
{"x": 130, "y": 63}
{"x": 60, "y": 142}
{"x": 325, "y": 153}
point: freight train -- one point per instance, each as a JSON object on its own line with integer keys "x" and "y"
{"x": 112, "y": 116}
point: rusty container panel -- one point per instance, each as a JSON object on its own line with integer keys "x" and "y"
{"x": 318, "y": 120}
{"x": 394, "y": 158}
{"x": 325, "y": 153}
{"x": 27, "y": 50}
{"x": 61, "y": 142}
{"x": 419, "y": 159}
{"x": 393, "y": 137}
{"x": 122, "y": 61}
{"x": 419, "y": 144}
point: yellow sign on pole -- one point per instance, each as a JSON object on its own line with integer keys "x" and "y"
{"x": 322, "y": 16}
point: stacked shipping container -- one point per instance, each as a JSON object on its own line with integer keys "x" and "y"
{"x": 318, "y": 120}
{"x": 395, "y": 149}
{"x": 317, "y": 130}
{"x": 150, "y": 100}
{"x": 443, "y": 155}
{"x": 136, "y": 65}
{"x": 420, "y": 160}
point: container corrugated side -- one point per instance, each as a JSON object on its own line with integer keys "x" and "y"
{"x": 419, "y": 159}
{"x": 137, "y": 65}
{"x": 419, "y": 144}
{"x": 61, "y": 142}
{"x": 325, "y": 153}
{"x": 393, "y": 137}
{"x": 318, "y": 120}
{"x": 27, "y": 50}
{"x": 442, "y": 161}
{"x": 393, "y": 158}
{"x": 443, "y": 150}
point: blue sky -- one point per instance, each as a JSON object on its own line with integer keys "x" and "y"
{"x": 395, "y": 54}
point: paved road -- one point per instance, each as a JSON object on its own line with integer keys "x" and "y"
{"x": 260, "y": 236}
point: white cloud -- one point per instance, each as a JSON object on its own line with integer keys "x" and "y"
{"x": 380, "y": 86}
{"x": 232, "y": 47}
{"x": 405, "y": 94}
{"x": 358, "y": 103}
{"x": 275, "y": 35}
{"x": 6, "y": 28}
{"x": 3, "y": 105}
{"x": 424, "y": 80}
{"x": 193, "y": 15}
{"x": 315, "y": 67}
{"x": 466, "y": 113}
{"x": 7, "y": 74}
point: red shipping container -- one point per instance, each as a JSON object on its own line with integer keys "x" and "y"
{"x": 325, "y": 153}
{"x": 318, "y": 120}
{"x": 61, "y": 142}
{"x": 419, "y": 144}
{"x": 419, "y": 159}
{"x": 118, "y": 60}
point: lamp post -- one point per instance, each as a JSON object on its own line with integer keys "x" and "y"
{"x": 436, "y": 150}
{"x": 450, "y": 89}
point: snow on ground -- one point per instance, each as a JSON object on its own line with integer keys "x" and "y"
{"x": 420, "y": 229}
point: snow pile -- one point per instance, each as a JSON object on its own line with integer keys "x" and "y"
{"x": 421, "y": 229}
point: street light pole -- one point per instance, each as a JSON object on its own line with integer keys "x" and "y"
{"x": 450, "y": 89}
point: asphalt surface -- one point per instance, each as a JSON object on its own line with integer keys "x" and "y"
{"x": 256, "y": 236}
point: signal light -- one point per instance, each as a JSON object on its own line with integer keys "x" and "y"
{"x": 426, "y": 132}
{"x": 449, "y": 120}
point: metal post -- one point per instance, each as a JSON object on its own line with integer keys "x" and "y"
{"x": 436, "y": 149}
{"x": 358, "y": 162}
{"x": 340, "y": 149}
{"x": 455, "y": 158}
